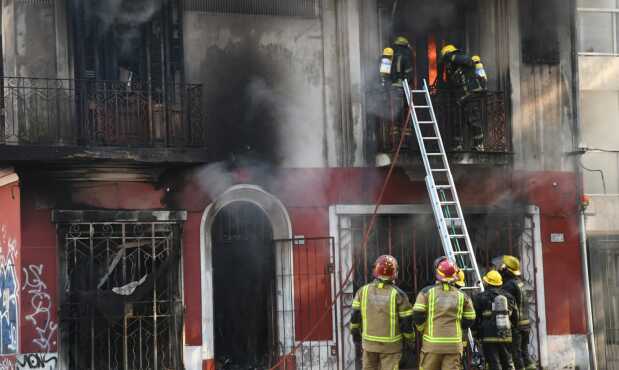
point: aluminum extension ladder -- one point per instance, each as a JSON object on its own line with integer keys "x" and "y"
{"x": 441, "y": 188}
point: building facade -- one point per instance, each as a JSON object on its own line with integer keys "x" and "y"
{"x": 188, "y": 184}
{"x": 598, "y": 81}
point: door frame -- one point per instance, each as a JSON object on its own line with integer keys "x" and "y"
{"x": 281, "y": 225}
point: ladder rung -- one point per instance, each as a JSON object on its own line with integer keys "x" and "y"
{"x": 461, "y": 253}
{"x": 430, "y": 137}
{"x": 448, "y": 203}
{"x": 469, "y": 288}
{"x": 452, "y": 219}
{"x": 418, "y": 91}
{"x": 457, "y": 236}
{"x": 421, "y": 106}
{"x": 425, "y": 122}
{"x": 434, "y": 154}
{"x": 439, "y": 170}
{"x": 443, "y": 186}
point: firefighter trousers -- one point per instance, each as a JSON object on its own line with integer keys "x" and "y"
{"x": 520, "y": 349}
{"x": 439, "y": 361}
{"x": 381, "y": 361}
{"x": 498, "y": 356}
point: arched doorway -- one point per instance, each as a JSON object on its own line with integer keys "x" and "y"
{"x": 243, "y": 287}
{"x": 279, "y": 221}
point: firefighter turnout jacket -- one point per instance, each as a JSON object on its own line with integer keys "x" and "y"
{"x": 382, "y": 314}
{"x": 442, "y": 312}
{"x": 515, "y": 286}
{"x": 488, "y": 327}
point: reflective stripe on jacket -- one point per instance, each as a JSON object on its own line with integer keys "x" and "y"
{"x": 446, "y": 312}
{"x": 383, "y": 308}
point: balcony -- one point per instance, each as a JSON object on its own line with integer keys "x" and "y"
{"x": 455, "y": 119}
{"x": 69, "y": 119}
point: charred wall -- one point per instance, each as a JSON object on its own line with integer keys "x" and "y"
{"x": 263, "y": 85}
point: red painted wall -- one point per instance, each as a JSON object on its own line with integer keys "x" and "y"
{"x": 40, "y": 278}
{"x": 307, "y": 194}
{"x": 10, "y": 265}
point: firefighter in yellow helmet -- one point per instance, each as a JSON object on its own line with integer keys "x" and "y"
{"x": 513, "y": 284}
{"x": 444, "y": 313}
{"x": 464, "y": 76}
{"x": 382, "y": 318}
{"x": 496, "y": 314}
{"x": 402, "y": 66}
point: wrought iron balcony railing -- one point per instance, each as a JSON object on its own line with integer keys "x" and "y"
{"x": 456, "y": 120}
{"x": 37, "y": 111}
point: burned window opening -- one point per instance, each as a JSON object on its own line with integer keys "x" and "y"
{"x": 122, "y": 306}
{"x": 128, "y": 40}
{"x": 244, "y": 290}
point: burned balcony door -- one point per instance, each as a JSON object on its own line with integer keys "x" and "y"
{"x": 134, "y": 46}
{"x": 122, "y": 308}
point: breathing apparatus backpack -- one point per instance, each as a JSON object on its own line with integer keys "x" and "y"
{"x": 500, "y": 311}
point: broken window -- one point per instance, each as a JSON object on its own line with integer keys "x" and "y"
{"x": 122, "y": 306}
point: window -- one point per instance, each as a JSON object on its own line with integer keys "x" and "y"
{"x": 290, "y": 8}
{"x": 598, "y": 33}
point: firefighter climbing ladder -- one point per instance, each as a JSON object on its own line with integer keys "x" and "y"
{"x": 441, "y": 187}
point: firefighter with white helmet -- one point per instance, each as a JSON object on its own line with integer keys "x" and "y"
{"x": 442, "y": 313}
{"x": 382, "y": 318}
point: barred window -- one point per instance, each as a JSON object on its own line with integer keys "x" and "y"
{"x": 290, "y": 8}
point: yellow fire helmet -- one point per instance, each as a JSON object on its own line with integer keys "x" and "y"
{"x": 476, "y": 58}
{"x": 401, "y": 41}
{"x": 493, "y": 278}
{"x": 512, "y": 264}
{"x": 388, "y": 52}
{"x": 449, "y": 48}
{"x": 461, "y": 279}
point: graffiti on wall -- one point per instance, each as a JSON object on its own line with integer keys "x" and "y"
{"x": 36, "y": 361}
{"x": 7, "y": 363}
{"x": 9, "y": 303}
{"x": 40, "y": 307}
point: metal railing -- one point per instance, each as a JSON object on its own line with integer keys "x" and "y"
{"x": 38, "y": 111}
{"x": 456, "y": 120}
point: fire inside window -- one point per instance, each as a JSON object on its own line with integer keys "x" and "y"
{"x": 290, "y": 8}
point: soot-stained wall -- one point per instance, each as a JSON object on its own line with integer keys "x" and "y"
{"x": 263, "y": 85}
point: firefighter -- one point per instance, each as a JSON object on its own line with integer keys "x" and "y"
{"x": 513, "y": 284}
{"x": 386, "y": 61}
{"x": 382, "y": 318}
{"x": 461, "y": 70}
{"x": 442, "y": 313}
{"x": 496, "y": 315}
{"x": 465, "y": 75}
{"x": 402, "y": 66}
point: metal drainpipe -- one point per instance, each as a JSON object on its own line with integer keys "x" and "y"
{"x": 587, "y": 283}
{"x": 580, "y": 184}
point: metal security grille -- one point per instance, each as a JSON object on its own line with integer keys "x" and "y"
{"x": 291, "y": 8}
{"x": 122, "y": 308}
{"x": 414, "y": 241}
{"x": 305, "y": 315}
